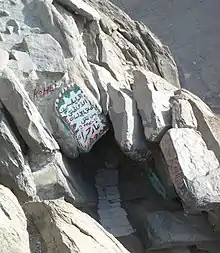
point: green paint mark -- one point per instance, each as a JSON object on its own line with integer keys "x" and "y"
{"x": 155, "y": 182}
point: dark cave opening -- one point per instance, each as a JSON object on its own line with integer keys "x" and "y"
{"x": 137, "y": 195}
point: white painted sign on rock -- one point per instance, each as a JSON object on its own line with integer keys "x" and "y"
{"x": 81, "y": 117}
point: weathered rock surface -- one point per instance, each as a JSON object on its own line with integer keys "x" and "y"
{"x": 69, "y": 229}
{"x": 15, "y": 172}
{"x": 182, "y": 114}
{"x": 126, "y": 122}
{"x": 13, "y": 225}
{"x": 78, "y": 36}
{"x": 136, "y": 41}
{"x": 70, "y": 70}
{"x": 25, "y": 114}
{"x": 45, "y": 52}
{"x": 208, "y": 122}
{"x": 167, "y": 230}
{"x": 152, "y": 94}
{"x": 193, "y": 168}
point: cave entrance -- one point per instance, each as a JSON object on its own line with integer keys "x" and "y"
{"x": 124, "y": 192}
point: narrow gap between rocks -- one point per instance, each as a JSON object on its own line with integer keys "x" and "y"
{"x": 124, "y": 192}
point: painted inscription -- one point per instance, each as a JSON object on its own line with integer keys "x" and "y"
{"x": 81, "y": 117}
{"x": 176, "y": 173}
{"x": 39, "y": 93}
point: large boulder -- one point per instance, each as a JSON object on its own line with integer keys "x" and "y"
{"x": 152, "y": 94}
{"x": 13, "y": 225}
{"x": 25, "y": 114}
{"x": 208, "y": 122}
{"x": 194, "y": 170}
{"x": 69, "y": 229}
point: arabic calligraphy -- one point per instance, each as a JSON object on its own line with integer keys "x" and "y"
{"x": 82, "y": 118}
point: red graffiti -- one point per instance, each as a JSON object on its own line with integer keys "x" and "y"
{"x": 176, "y": 173}
{"x": 38, "y": 93}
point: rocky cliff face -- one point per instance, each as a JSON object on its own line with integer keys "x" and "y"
{"x": 93, "y": 119}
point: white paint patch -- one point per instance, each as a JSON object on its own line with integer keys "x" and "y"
{"x": 83, "y": 118}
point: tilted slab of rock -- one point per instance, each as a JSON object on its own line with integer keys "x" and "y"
{"x": 70, "y": 230}
{"x": 126, "y": 122}
{"x": 13, "y": 225}
{"x": 168, "y": 230}
{"x": 56, "y": 178}
{"x": 117, "y": 100}
{"x": 208, "y": 122}
{"x": 15, "y": 172}
{"x": 152, "y": 94}
{"x": 25, "y": 114}
{"x": 194, "y": 169}
{"x": 182, "y": 113}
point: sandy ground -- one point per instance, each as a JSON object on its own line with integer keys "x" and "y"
{"x": 191, "y": 28}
